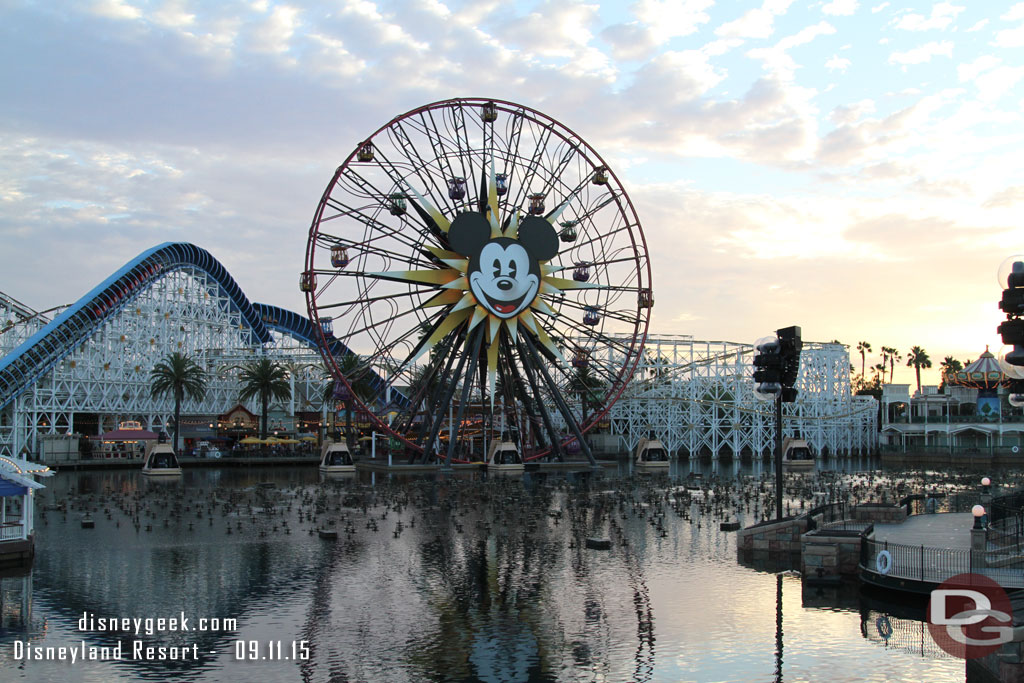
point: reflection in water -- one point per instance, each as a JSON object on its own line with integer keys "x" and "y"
{"x": 457, "y": 578}
{"x": 778, "y": 628}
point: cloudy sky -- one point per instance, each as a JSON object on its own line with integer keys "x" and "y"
{"x": 856, "y": 168}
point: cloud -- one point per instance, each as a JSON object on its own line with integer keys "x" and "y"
{"x": 755, "y": 23}
{"x": 978, "y": 26}
{"x": 1011, "y": 37}
{"x": 923, "y": 53}
{"x": 943, "y": 14}
{"x": 667, "y": 19}
{"x": 878, "y": 8}
{"x": 841, "y": 8}
{"x": 1015, "y": 13}
{"x": 275, "y": 32}
{"x": 851, "y": 113}
{"x": 896, "y": 232}
{"x": 837, "y": 63}
{"x": 970, "y": 70}
{"x": 1009, "y": 196}
{"x": 629, "y": 41}
{"x": 115, "y": 9}
{"x": 777, "y": 60}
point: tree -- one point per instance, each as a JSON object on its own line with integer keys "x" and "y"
{"x": 879, "y": 369}
{"x": 264, "y": 379}
{"x": 179, "y": 376}
{"x": 894, "y": 358}
{"x": 584, "y": 383}
{"x": 864, "y": 347}
{"x": 918, "y": 358}
{"x": 359, "y": 375}
{"x": 950, "y": 366}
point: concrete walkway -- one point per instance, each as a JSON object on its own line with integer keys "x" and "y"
{"x": 942, "y": 530}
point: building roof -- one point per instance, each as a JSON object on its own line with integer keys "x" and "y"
{"x": 22, "y": 467}
{"x": 983, "y": 373}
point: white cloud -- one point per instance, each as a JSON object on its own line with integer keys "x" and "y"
{"x": 667, "y": 19}
{"x": 275, "y": 33}
{"x": 970, "y": 70}
{"x": 116, "y": 9}
{"x": 879, "y": 8}
{"x": 922, "y": 54}
{"x": 837, "y": 63}
{"x": 978, "y": 26}
{"x": 841, "y": 8}
{"x": 755, "y": 23}
{"x": 851, "y": 113}
{"x": 1016, "y": 13}
{"x": 1013, "y": 37}
{"x": 995, "y": 83}
{"x": 173, "y": 14}
{"x": 943, "y": 14}
{"x": 776, "y": 58}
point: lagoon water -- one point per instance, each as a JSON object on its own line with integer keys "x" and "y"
{"x": 456, "y": 579}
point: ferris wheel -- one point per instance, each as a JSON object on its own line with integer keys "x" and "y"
{"x": 477, "y": 272}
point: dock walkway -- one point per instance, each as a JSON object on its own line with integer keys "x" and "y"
{"x": 925, "y": 550}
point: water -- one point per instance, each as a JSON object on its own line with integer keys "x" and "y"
{"x": 484, "y": 580}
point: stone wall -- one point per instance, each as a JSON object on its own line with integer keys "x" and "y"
{"x": 880, "y": 512}
{"x": 762, "y": 540}
{"x": 833, "y": 553}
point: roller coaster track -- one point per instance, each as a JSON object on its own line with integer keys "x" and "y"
{"x": 299, "y": 326}
{"x": 30, "y": 361}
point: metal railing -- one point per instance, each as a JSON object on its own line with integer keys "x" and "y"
{"x": 829, "y": 513}
{"x": 917, "y": 563}
{"x": 935, "y": 565}
{"x": 12, "y": 531}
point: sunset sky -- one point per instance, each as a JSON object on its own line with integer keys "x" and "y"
{"x": 856, "y": 168}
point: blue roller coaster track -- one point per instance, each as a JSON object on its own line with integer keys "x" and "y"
{"x": 30, "y": 361}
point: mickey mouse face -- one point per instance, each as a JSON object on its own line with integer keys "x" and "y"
{"x": 503, "y": 283}
{"x": 503, "y": 273}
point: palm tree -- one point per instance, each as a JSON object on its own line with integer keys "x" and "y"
{"x": 359, "y": 375}
{"x": 879, "y": 369}
{"x": 584, "y": 383}
{"x": 264, "y": 379}
{"x": 918, "y": 358}
{"x": 179, "y": 376}
{"x": 863, "y": 347}
{"x": 950, "y": 366}
{"x": 894, "y": 358}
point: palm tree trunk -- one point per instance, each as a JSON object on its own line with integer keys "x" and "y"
{"x": 265, "y": 401}
{"x": 917, "y": 371}
{"x": 348, "y": 425}
{"x": 177, "y": 420}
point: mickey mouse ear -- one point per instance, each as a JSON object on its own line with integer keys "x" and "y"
{"x": 539, "y": 238}
{"x": 468, "y": 233}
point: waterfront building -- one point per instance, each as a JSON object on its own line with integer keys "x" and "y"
{"x": 970, "y": 418}
{"x": 17, "y": 493}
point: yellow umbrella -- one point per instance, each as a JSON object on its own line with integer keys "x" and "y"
{"x": 289, "y": 441}
{"x": 273, "y": 440}
{"x": 249, "y": 440}
{"x": 307, "y": 438}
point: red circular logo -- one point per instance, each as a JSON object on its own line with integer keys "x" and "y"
{"x": 969, "y": 616}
